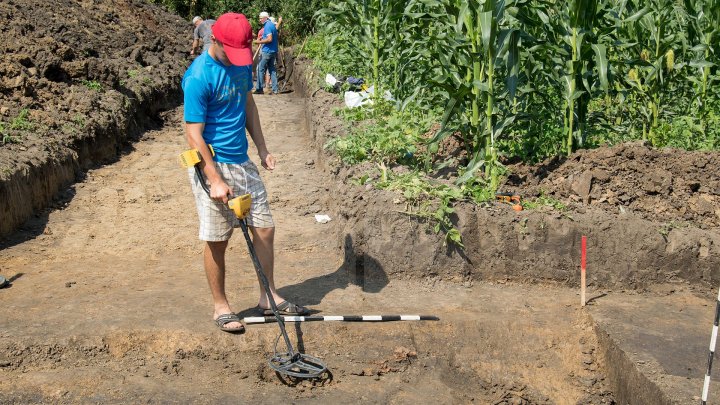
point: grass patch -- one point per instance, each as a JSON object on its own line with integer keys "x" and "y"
{"x": 21, "y": 121}
{"x": 92, "y": 85}
{"x": 79, "y": 120}
{"x": 544, "y": 201}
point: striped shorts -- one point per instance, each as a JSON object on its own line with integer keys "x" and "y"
{"x": 216, "y": 219}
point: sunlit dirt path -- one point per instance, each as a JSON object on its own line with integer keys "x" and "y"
{"x": 109, "y": 302}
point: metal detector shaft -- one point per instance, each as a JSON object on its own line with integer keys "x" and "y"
{"x": 199, "y": 173}
{"x": 342, "y": 318}
{"x": 266, "y": 285}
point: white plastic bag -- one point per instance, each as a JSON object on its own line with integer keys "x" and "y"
{"x": 356, "y": 99}
{"x": 330, "y": 79}
{"x": 322, "y": 218}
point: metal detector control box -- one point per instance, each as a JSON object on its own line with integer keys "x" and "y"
{"x": 240, "y": 205}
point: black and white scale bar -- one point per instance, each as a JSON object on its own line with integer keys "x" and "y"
{"x": 342, "y": 318}
{"x": 713, "y": 340}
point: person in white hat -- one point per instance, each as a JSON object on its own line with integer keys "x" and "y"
{"x": 202, "y": 32}
{"x": 277, "y": 23}
{"x": 268, "y": 52}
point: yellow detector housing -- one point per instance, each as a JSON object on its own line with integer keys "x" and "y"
{"x": 191, "y": 157}
{"x": 240, "y": 205}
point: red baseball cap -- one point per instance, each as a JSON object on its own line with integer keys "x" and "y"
{"x": 234, "y": 32}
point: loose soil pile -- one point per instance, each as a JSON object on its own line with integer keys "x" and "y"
{"x": 78, "y": 80}
{"x": 673, "y": 186}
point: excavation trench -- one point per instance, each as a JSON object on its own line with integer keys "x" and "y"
{"x": 109, "y": 301}
{"x": 499, "y": 353}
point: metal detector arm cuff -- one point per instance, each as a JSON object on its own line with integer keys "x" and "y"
{"x": 192, "y": 157}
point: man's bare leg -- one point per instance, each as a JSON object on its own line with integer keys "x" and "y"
{"x": 263, "y": 240}
{"x": 214, "y": 258}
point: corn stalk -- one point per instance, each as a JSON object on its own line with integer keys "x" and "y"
{"x": 653, "y": 29}
{"x": 704, "y": 35}
{"x": 586, "y": 54}
{"x": 481, "y": 44}
{"x": 374, "y": 24}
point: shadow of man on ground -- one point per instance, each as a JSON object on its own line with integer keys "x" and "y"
{"x": 357, "y": 269}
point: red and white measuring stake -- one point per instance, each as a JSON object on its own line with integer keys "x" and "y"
{"x": 713, "y": 340}
{"x": 583, "y": 247}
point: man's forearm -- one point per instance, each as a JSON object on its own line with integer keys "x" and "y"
{"x": 264, "y": 41}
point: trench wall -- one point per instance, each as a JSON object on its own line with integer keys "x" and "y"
{"x": 32, "y": 186}
{"x": 624, "y": 251}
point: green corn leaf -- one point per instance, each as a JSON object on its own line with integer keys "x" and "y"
{"x": 513, "y": 64}
{"x": 487, "y": 28}
{"x": 543, "y": 17}
{"x": 500, "y": 126}
{"x": 701, "y": 63}
{"x": 638, "y": 15}
{"x": 601, "y": 63}
{"x": 482, "y": 86}
{"x": 463, "y": 14}
{"x": 473, "y": 166}
{"x": 451, "y": 110}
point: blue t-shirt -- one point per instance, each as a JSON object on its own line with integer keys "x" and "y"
{"x": 269, "y": 28}
{"x": 216, "y": 95}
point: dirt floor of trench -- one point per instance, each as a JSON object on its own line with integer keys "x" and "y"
{"x": 109, "y": 302}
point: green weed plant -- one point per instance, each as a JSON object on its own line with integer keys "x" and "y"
{"x": 428, "y": 200}
{"x": 21, "y": 121}
{"x": 544, "y": 201}
{"x": 92, "y": 85}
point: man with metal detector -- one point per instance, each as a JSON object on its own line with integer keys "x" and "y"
{"x": 218, "y": 108}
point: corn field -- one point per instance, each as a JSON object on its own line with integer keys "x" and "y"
{"x": 530, "y": 79}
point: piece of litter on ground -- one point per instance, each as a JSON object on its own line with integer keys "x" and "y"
{"x": 330, "y": 79}
{"x": 322, "y": 218}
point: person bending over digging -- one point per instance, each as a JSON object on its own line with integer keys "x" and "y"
{"x": 218, "y": 107}
{"x": 201, "y": 35}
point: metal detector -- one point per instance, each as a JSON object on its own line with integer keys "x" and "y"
{"x": 290, "y": 363}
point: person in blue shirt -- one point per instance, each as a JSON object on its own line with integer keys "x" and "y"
{"x": 219, "y": 107}
{"x": 268, "y": 53}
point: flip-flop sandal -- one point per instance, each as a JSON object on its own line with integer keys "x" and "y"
{"x": 3, "y": 282}
{"x": 287, "y": 308}
{"x": 225, "y": 319}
